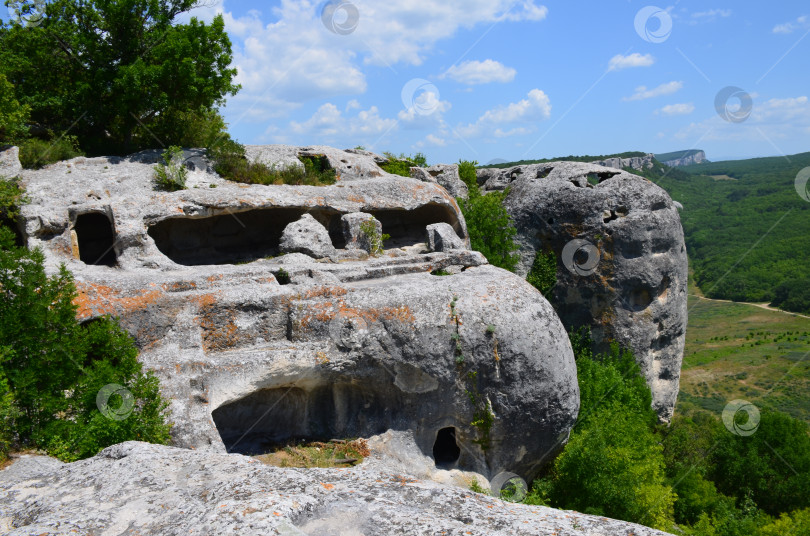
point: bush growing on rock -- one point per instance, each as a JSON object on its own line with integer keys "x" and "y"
{"x": 488, "y": 225}
{"x": 52, "y": 369}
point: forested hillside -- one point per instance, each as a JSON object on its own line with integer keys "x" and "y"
{"x": 746, "y": 228}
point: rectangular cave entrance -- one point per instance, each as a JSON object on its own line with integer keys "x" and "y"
{"x": 270, "y": 417}
{"x": 95, "y": 237}
{"x": 228, "y": 238}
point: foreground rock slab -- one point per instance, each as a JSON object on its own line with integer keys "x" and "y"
{"x": 137, "y": 488}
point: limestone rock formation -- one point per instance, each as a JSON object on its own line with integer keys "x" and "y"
{"x": 353, "y": 233}
{"x": 307, "y": 236}
{"x": 639, "y": 163}
{"x": 442, "y": 237}
{"x": 622, "y": 264}
{"x": 252, "y": 347}
{"x": 162, "y": 491}
{"x": 683, "y": 158}
{"x": 9, "y": 161}
{"x": 444, "y": 174}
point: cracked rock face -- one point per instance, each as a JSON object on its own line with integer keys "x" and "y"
{"x": 622, "y": 265}
{"x": 162, "y": 491}
{"x": 253, "y": 346}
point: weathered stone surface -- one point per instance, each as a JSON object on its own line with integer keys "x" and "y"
{"x": 343, "y": 346}
{"x": 163, "y": 491}
{"x": 306, "y": 236}
{"x": 350, "y": 165}
{"x": 636, "y": 293}
{"x": 442, "y": 237}
{"x": 9, "y": 161}
{"x": 444, "y": 174}
{"x": 638, "y": 163}
{"x": 353, "y": 233}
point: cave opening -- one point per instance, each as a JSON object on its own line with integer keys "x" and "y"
{"x": 446, "y": 451}
{"x": 407, "y": 227}
{"x": 269, "y": 417}
{"x": 96, "y": 239}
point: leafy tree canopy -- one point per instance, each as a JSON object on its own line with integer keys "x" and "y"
{"x": 118, "y": 74}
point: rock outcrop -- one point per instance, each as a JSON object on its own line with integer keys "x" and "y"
{"x": 9, "y": 161}
{"x": 622, "y": 264}
{"x": 253, "y": 346}
{"x": 445, "y": 175}
{"x": 639, "y": 163}
{"x": 162, "y": 491}
{"x": 683, "y": 158}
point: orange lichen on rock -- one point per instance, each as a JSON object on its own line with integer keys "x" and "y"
{"x": 93, "y": 299}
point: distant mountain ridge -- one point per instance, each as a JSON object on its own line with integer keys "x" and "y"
{"x": 682, "y": 158}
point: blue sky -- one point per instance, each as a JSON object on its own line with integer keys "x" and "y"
{"x": 486, "y": 79}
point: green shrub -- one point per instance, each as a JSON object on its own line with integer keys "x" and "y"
{"x": 543, "y": 273}
{"x": 374, "y": 237}
{"x": 171, "y": 175}
{"x": 11, "y": 197}
{"x": 490, "y": 229}
{"x": 13, "y": 116}
{"x": 468, "y": 175}
{"x": 231, "y": 163}
{"x": 772, "y": 464}
{"x": 55, "y": 368}
{"x": 613, "y": 465}
{"x": 36, "y": 153}
{"x": 402, "y": 164}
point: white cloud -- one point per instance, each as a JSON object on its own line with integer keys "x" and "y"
{"x": 664, "y": 89}
{"x": 790, "y": 27}
{"x": 780, "y": 120}
{"x": 711, "y": 14}
{"x": 536, "y": 107}
{"x": 480, "y": 72}
{"x": 635, "y": 59}
{"x": 330, "y": 124}
{"x": 427, "y": 110}
{"x": 286, "y": 56}
{"x": 435, "y": 140}
{"x": 677, "y": 109}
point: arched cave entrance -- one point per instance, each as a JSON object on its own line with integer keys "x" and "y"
{"x": 96, "y": 239}
{"x": 445, "y": 450}
{"x": 407, "y": 227}
{"x": 320, "y": 412}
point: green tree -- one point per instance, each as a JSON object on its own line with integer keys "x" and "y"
{"x": 117, "y": 72}
{"x": 543, "y": 273}
{"x": 772, "y": 464}
{"x": 52, "y": 368}
{"x": 13, "y": 116}
{"x": 488, "y": 224}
